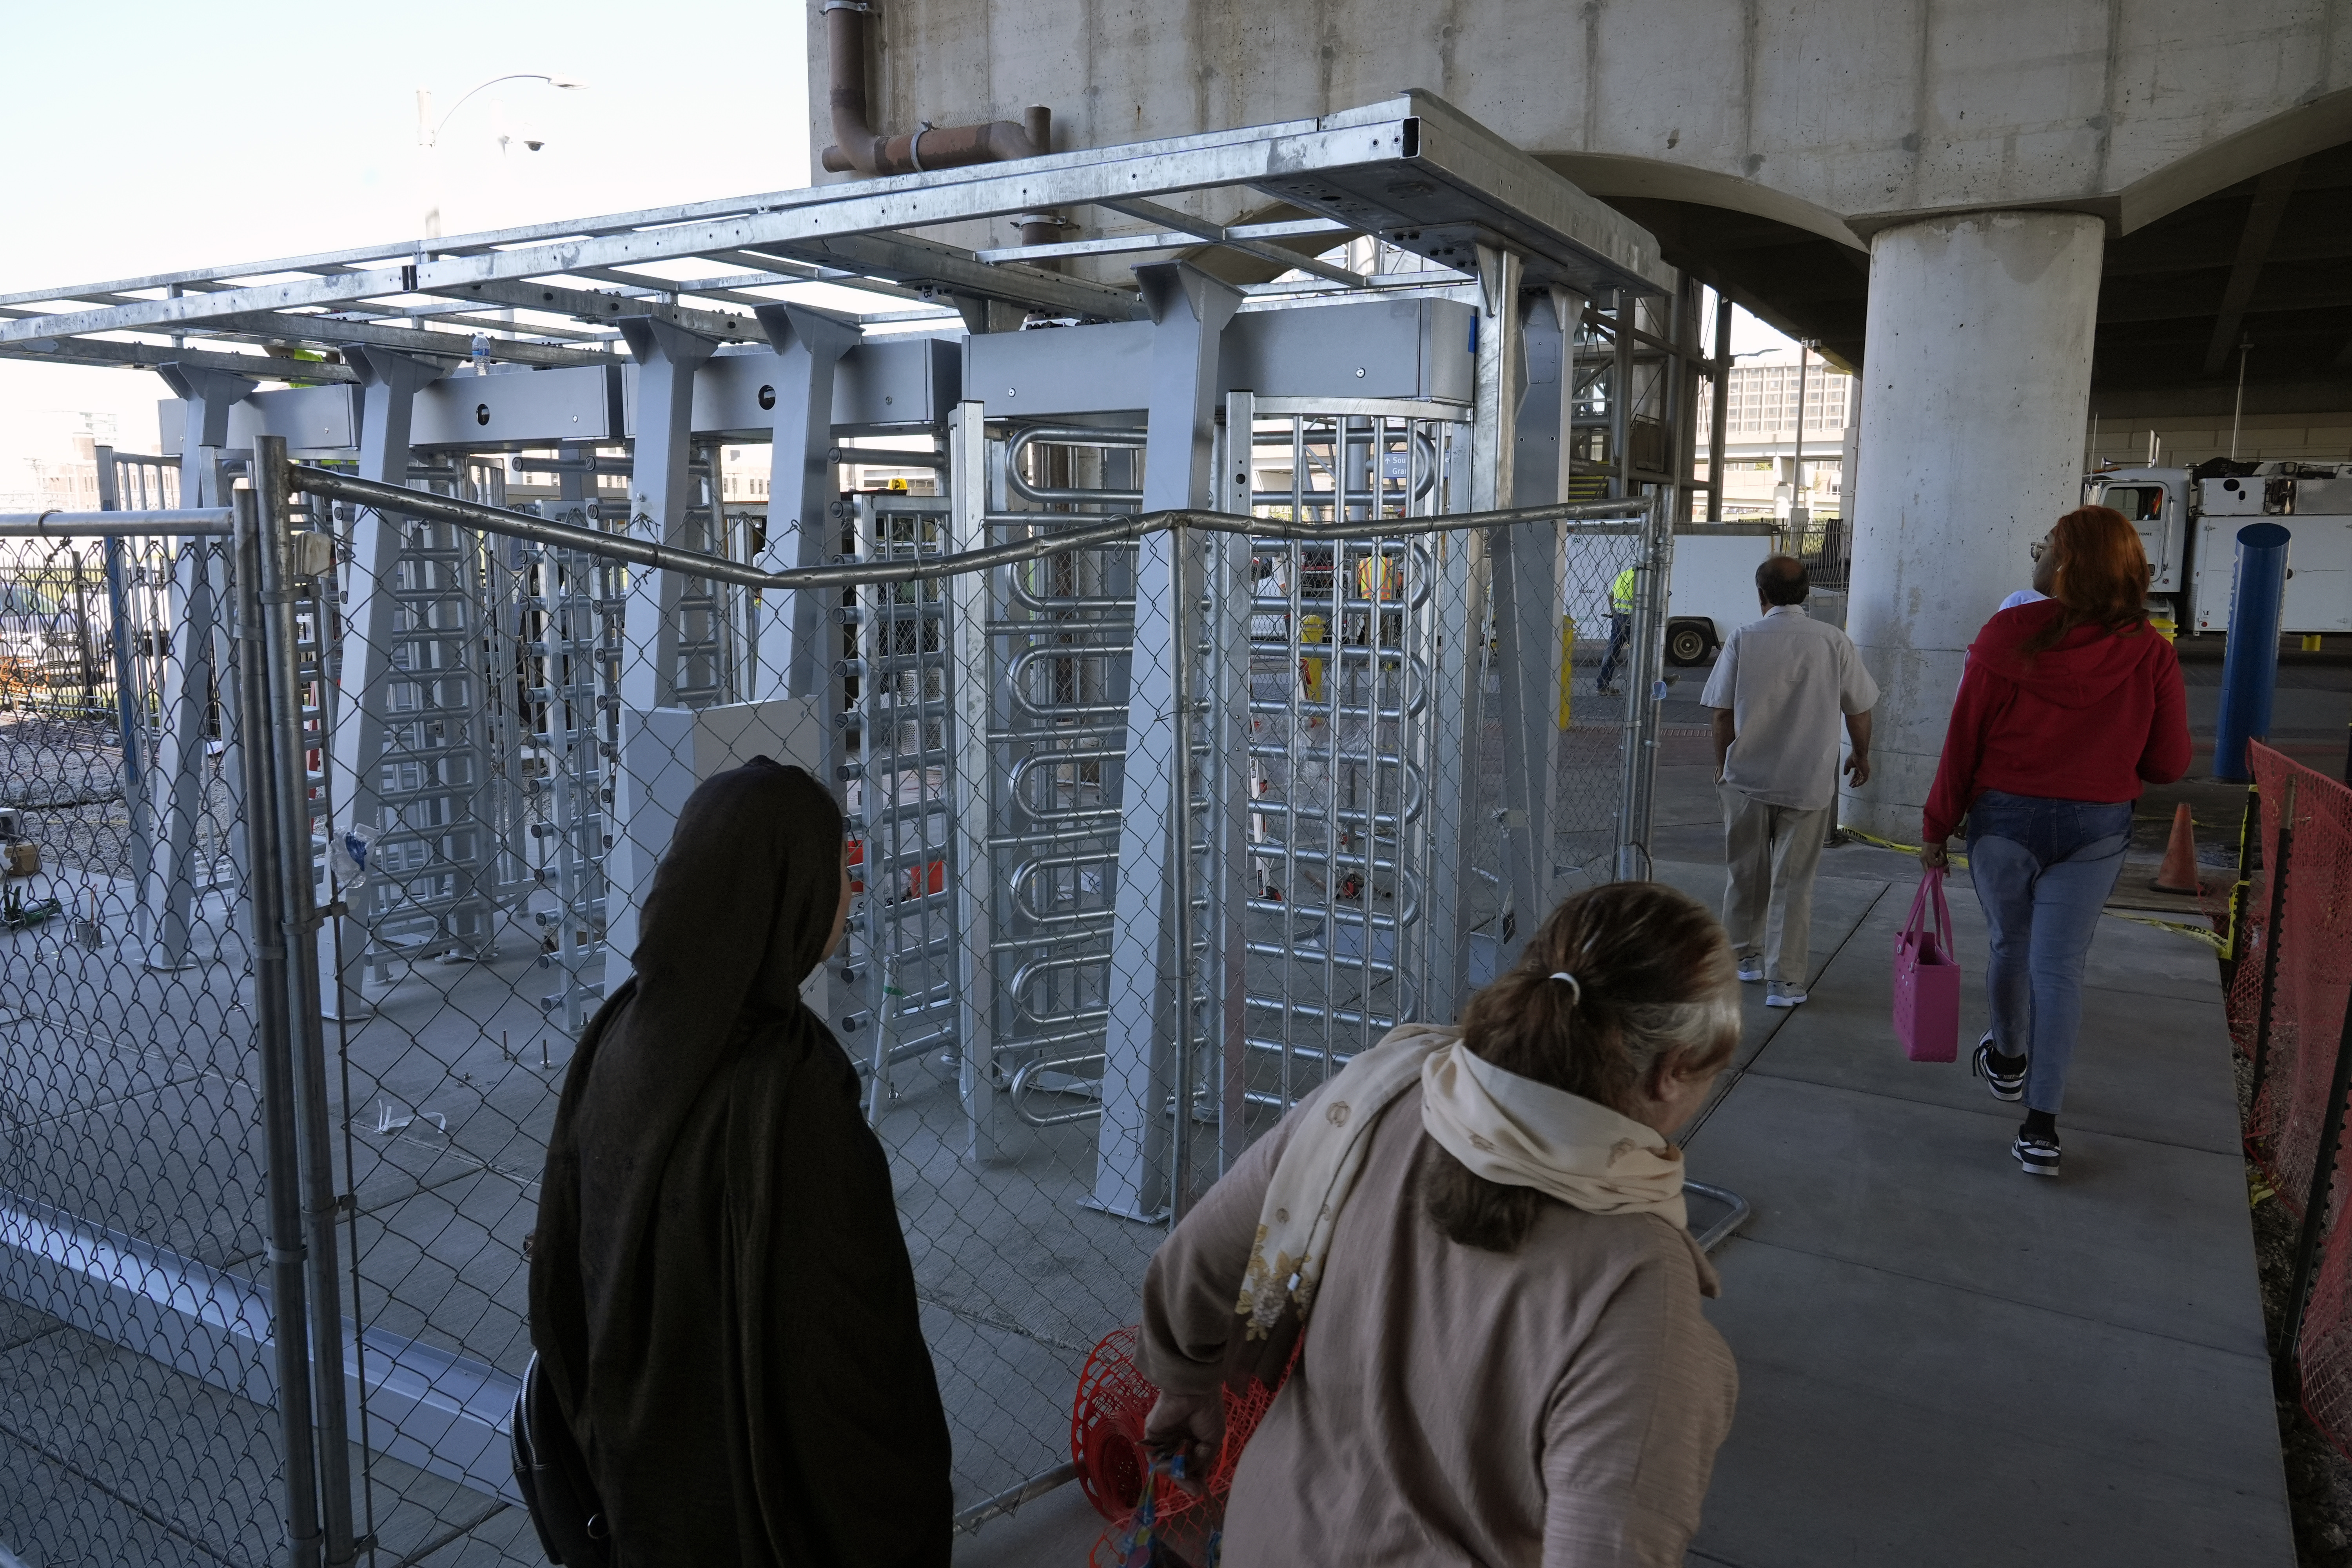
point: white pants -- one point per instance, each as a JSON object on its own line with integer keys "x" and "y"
{"x": 1771, "y": 853}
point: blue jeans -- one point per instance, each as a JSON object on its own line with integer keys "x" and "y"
{"x": 2043, "y": 869}
{"x": 1620, "y": 634}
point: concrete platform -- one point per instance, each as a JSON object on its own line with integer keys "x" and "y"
{"x": 1944, "y": 1361}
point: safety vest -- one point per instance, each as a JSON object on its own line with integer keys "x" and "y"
{"x": 1620, "y": 593}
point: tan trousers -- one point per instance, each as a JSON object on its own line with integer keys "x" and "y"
{"x": 1771, "y": 852}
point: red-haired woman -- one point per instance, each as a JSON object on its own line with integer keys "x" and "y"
{"x": 2067, "y": 707}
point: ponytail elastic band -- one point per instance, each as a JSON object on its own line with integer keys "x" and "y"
{"x": 1576, "y": 992}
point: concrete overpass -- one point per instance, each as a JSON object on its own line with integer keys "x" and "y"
{"x": 2009, "y": 215}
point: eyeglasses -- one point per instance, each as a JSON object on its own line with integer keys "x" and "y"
{"x": 2033, "y": 550}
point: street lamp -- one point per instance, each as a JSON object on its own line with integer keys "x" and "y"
{"x": 428, "y": 132}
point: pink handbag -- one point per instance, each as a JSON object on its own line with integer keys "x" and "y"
{"x": 1927, "y": 978}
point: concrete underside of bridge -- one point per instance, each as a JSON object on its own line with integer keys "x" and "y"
{"x": 2032, "y": 211}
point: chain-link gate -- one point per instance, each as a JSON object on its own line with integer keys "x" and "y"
{"x": 1070, "y": 1015}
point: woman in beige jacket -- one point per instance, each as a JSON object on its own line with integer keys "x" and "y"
{"x": 1505, "y": 1362}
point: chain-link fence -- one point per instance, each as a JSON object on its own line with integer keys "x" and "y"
{"x": 1155, "y": 818}
{"x": 134, "y": 1304}
{"x": 2291, "y": 1013}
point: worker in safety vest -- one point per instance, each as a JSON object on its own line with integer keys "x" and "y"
{"x": 1620, "y": 630}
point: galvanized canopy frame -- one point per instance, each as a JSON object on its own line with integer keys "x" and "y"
{"x": 1413, "y": 171}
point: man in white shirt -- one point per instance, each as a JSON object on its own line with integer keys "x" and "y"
{"x": 1778, "y": 690}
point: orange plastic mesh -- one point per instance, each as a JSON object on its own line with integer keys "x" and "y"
{"x": 2312, "y": 984}
{"x": 1107, "y": 1442}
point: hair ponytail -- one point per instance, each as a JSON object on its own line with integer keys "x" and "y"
{"x": 1619, "y": 979}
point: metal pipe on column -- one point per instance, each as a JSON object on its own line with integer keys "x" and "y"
{"x": 1621, "y": 394}
{"x": 288, "y": 1304}
{"x": 297, "y": 903}
{"x": 1720, "y": 397}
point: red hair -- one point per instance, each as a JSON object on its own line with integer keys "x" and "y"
{"x": 2102, "y": 577}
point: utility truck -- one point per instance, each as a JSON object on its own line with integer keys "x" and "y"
{"x": 2188, "y": 520}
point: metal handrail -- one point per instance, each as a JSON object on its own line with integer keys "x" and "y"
{"x": 347, "y": 487}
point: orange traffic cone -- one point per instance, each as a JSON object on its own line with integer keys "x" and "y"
{"x": 2178, "y": 873}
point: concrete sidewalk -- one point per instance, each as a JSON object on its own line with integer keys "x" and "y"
{"x": 1944, "y": 1361}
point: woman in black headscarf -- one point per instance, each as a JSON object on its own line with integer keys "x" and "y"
{"x": 719, "y": 1292}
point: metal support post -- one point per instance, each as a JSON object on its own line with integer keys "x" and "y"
{"x": 1622, "y": 318}
{"x": 175, "y": 882}
{"x": 2286, "y": 1354}
{"x": 289, "y": 1328}
{"x": 1682, "y": 444}
{"x": 652, "y": 778}
{"x": 1183, "y": 608}
{"x": 1457, "y": 696}
{"x": 1644, "y": 688}
{"x": 2272, "y": 946}
{"x": 2248, "y": 824}
{"x": 802, "y": 488}
{"x": 970, "y": 603}
{"x": 1189, "y": 310}
{"x": 360, "y": 735}
{"x": 1232, "y": 587}
{"x": 1719, "y": 400}
{"x": 289, "y": 817}
{"x": 1528, "y": 592}
{"x": 129, "y": 704}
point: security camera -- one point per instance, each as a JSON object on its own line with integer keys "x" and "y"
{"x": 534, "y": 146}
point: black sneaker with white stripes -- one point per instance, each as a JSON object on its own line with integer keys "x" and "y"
{"x": 2037, "y": 1152}
{"x": 2004, "y": 1085}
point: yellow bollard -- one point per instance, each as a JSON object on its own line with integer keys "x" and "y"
{"x": 1310, "y": 670}
{"x": 1567, "y": 664}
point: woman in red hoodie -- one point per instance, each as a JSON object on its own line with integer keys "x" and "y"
{"x": 2065, "y": 707}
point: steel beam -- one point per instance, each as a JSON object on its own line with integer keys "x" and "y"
{"x": 1413, "y": 169}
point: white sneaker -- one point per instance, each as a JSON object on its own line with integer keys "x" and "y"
{"x": 1780, "y": 995}
{"x": 1752, "y": 970}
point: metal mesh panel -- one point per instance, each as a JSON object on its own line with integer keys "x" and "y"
{"x": 133, "y": 1311}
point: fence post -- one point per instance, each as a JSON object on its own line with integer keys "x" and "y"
{"x": 129, "y": 704}
{"x": 306, "y": 1041}
{"x": 1642, "y": 690}
{"x": 288, "y": 1308}
{"x": 2271, "y": 935}
{"x": 2249, "y": 823}
{"x": 1183, "y": 604}
{"x": 2286, "y": 1357}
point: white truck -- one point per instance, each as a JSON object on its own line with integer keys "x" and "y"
{"x": 2190, "y": 525}
{"x": 1713, "y": 587}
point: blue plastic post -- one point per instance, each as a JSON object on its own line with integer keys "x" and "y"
{"x": 2250, "y": 668}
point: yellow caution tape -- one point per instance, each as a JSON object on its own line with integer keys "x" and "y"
{"x": 1960, "y": 860}
{"x": 2212, "y": 939}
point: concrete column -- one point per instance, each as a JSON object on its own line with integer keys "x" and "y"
{"x": 1977, "y": 368}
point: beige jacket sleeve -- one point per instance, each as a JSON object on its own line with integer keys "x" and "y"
{"x": 1196, "y": 1278}
{"x": 1634, "y": 1423}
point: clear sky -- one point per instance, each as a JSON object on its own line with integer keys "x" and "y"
{"x": 137, "y": 138}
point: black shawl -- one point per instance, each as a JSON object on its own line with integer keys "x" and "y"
{"x": 719, "y": 1291}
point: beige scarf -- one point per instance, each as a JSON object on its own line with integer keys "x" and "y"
{"x": 1506, "y": 1128}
